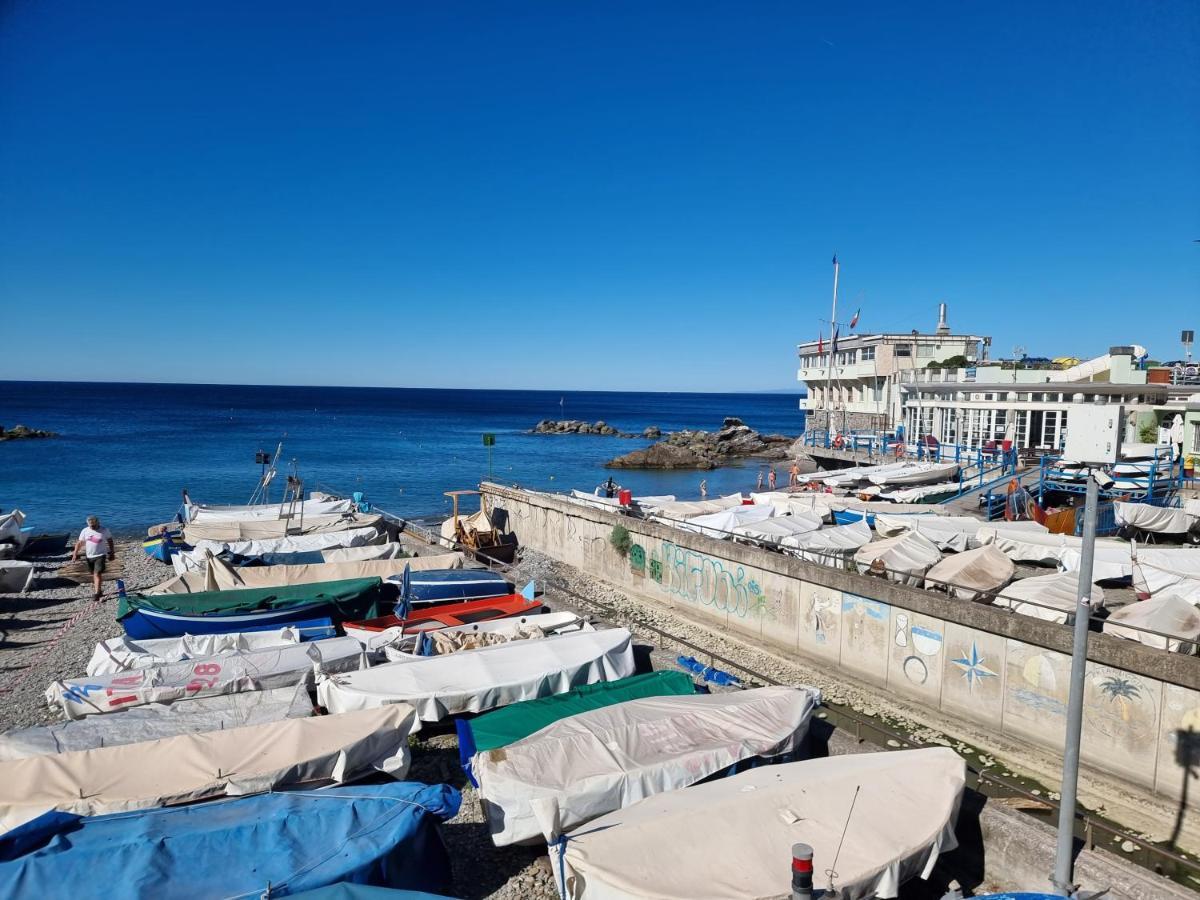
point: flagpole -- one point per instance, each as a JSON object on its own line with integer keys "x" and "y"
{"x": 832, "y": 343}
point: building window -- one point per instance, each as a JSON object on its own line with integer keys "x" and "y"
{"x": 878, "y": 389}
{"x": 903, "y": 350}
{"x": 868, "y": 354}
{"x": 1196, "y": 437}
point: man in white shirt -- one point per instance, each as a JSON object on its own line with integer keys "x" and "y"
{"x": 97, "y": 545}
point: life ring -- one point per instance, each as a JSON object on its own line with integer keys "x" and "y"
{"x": 899, "y": 449}
{"x": 838, "y": 442}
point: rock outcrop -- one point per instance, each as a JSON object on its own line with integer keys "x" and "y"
{"x": 21, "y": 431}
{"x": 706, "y": 449}
{"x": 575, "y": 426}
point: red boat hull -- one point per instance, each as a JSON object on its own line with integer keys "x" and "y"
{"x": 445, "y": 615}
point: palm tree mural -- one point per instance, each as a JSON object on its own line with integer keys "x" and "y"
{"x": 1120, "y": 691}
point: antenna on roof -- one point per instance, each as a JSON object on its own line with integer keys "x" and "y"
{"x": 942, "y": 327}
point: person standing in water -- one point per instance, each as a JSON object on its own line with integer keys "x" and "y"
{"x": 703, "y": 488}
{"x": 794, "y": 474}
{"x": 98, "y": 548}
{"x": 771, "y": 478}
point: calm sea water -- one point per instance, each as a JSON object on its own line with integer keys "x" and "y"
{"x": 127, "y": 450}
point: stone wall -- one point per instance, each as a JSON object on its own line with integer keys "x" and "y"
{"x": 818, "y": 420}
{"x": 1006, "y": 673}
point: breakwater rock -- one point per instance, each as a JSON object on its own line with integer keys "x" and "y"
{"x": 19, "y": 432}
{"x": 706, "y": 449}
{"x": 576, "y": 426}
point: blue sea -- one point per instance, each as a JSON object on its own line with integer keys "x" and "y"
{"x": 127, "y": 450}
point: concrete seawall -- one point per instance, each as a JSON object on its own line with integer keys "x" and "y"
{"x": 1004, "y": 673}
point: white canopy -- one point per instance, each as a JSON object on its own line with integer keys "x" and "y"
{"x": 190, "y": 767}
{"x": 721, "y": 524}
{"x": 250, "y": 670}
{"x": 155, "y": 721}
{"x": 828, "y": 544}
{"x": 478, "y": 680}
{"x": 120, "y": 654}
{"x": 589, "y": 764}
{"x": 258, "y": 530}
{"x": 185, "y": 560}
{"x": 311, "y": 508}
{"x": 1057, "y": 591}
{"x": 1170, "y": 615}
{"x": 1158, "y": 519}
{"x": 723, "y": 839}
{"x": 905, "y": 558}
{"x": 968, "y": 574}
{"x": 775, "y": 529}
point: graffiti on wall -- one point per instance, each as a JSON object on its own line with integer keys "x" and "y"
{"x": 710, "y": 582}
{"x": 637, "y": 560}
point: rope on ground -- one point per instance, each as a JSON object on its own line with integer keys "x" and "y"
{"x": 27, "y": 670}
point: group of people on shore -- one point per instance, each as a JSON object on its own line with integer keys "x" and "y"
{"x": 768, "y": 473}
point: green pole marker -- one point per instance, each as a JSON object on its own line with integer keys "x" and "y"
{"x": 489, "y": 441}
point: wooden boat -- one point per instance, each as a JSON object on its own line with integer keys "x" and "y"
{"x": 477, "y": 532}
{"x": 164, "y": 545}
{"x": 433, "y": 617}
{"x": 454, "y": 585}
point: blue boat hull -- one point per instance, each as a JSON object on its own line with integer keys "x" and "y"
{"x": 286, "y": 842}
{"x": 455, "y": 585}
{"x": 145, "y": 623}
{"x": 162, "y": 548}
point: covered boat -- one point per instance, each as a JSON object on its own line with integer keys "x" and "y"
{"x": 1113, "y": 557}
{"x": 229, "y": 673}
{"x": 189, "y": 767}
{"x": 315, "y": 557}
{"x": 955, "y": 533}
{"x": 16, "y": 576}
{"x": 248, "y": 609}
{"x": 904, "y": 559}
{"x": 584, "y": 766}
{"x": 828, "y": 546}
{"x": 430, "y": 618}
{"x": 1049, "y": 597}
{"x": 512, "y": 723}
{"x": 454, "y": 638}
{"x": 155, "y": 721}
{"x": 724, "y": 839}
{"x": 1167, "y": 623}
{"x": 258, "y": 530}
{"x": 456, "y": 584}
{"x": 13, "y": 535}
{"x": 478, "y": 680}
{"x": 316, "y": 505}
{"x": 190, "y": 560}
{"x": 1154, "y": 519}
{"x": 120, "y": 654}
{"x": 721, "y": 524}
{"x": 775, "y": 529}
{"x": 1156, "y": 570}
{"x": 245, "y": 847}
{"x": 858, "y": 474}
{"x": 915, "y": 474}
{"x": 971, "y": 573}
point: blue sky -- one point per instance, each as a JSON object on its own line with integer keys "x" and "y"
{"x": 578, "y": 195}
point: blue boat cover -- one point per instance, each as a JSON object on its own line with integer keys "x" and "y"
{"x": 345, "y": 891}
{"x": 383, "y": 834}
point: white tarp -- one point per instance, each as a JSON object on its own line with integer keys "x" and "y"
{"x": 905, "y": 559}
{"x": 1113, "y": 559}
{"x": 915, "y": 494}
{"x": 478, "y": 680}
{"x": 121, "y": 654}
{"x": 723, "y": 840}
{"x": 220, "y": 576}
{"x": 968, "y": 574}
{"x": 150, "y": 723}
{"x": 1158, "y": 519}
{"x": 586, "y": 765}
{"x": 682, "y": 509}
{"x": 720, "y": 525}
{"x": 1159, "y": 569}
{"x": 398, "y": 647}
{"x": 10, "y": 528}
{"x": 955, "y": 533}
{"x": 916, "y": 473}
{"x": 829, "y": 545}
{"x": 852, "y": 476}
{"x": 186, "y": 561}
{"x": 1169, "y": 615}
{"x": 1049, "y": 597}
{"x": 256, "y": 530}
{"x": 775, "y": 529}
{"x": 191, "y": 767}
{"x": 198, "y": 512}
{"x": 878, "y": 506}
{"x": 250, "y": 670}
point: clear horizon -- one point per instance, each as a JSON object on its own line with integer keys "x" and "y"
{"x": 596, "y": 197}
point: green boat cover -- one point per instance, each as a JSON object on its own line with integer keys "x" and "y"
{"x": 357, "y": 598}
{"x": 519, "y": 720}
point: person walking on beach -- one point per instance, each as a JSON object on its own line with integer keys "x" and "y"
{"x": 771, "y": 478}
{"x": 794, "y": 474}
{"x": 703, "y": 488}
{"x": 97, "y": 545}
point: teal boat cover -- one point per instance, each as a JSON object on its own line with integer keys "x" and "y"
{"x": 289, "y": 842}
{"x": 512, "y": 723}
{"x": 359, "y": 598}
{"x": 345, "y": 891}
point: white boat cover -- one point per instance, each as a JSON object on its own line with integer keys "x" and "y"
{"x": 230, "y": 673}
{"x": 683, "y": 509}
{"x": 1158, "y": 519}
{"x": 1168, "y": 614}
{"x": 1023, "y": 545}
{"x": 905, "y": 559}
{"x": 10, "y": 528}
{"x": 220, "y": 576}
{"x": 258, "y": 530}
{"x": 955, "y": 533}
{"x": 589, "y": 764}
{"x": 720, "y": 525}
{"x": 399, "y": 647}
{"x": 916, "y": 494}
{"x": 120, "y": 654}
{"x": 787, "y": 504}
{"x": 477, "y": 680}
{"x": 852, "y": 476}
{"x": 723, "y": 839}
{"x": 774, "y": 529}
{"x": 189, "y": 560}
{"x": 595, "y": 500}
{"x": 915, "y": 473}
{"x": 828, "y": 545}
{"x": 155, "y": 721}
{"x": 879, "y": 506}
{"x": 199, "y": 512}
{"x": 191, "y": 767}
{"x": 1047, "y": 597}
{"x": 1160, "y": 569}
{"x": 968, "y": 574}
{"x": 16, "y": 575}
